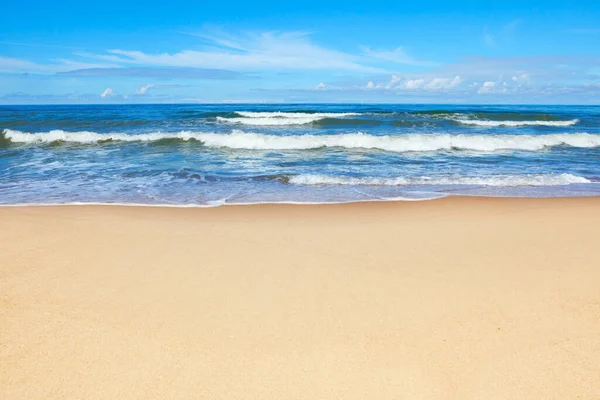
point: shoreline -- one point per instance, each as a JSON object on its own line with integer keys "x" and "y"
{"x": 293, "y": 203}
{"x": 464, "y": 297}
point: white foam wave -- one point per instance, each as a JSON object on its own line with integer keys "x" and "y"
{"x": 294, "y": 115}
{"x": 267, "y": 121}
{"x": 238, "y": 139}
{"x": 92, "y": 137}
{"x": 403, "y": 143}
{"x": 280, "y": 118}
{"x": 498, "y": 180}
{"x": 487, "y": 123}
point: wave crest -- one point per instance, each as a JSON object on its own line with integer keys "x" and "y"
{"x": 238, "y": 139}
{"x": 279, "y": 118}
{"x": 85, "y": 137}
{"x": 267, "y": 121}
{"x": 280, "y": 114}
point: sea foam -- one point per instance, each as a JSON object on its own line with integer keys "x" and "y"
{"x": 497, "y": 180}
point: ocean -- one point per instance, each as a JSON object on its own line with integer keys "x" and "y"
{"x": 210, "y": 155}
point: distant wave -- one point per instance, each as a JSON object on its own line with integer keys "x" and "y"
{"x": 317, "y": 120}
{"x": 332, "y": 119}
{"x": 498, "y": 180}
{"x": 339, "y": 122}
{"x": 280, "y": 114}
{"x": 255, "y": 141}
{"x": 489, "y": 123}
{"x": 279, "y": 118}
{"x": 268, "y": 121}
{"x": 495, "y": 119}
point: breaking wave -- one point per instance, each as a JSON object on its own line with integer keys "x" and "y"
{"x": 498, "y": 180}
{"x": 280, "y": 114}
{"x": 267, "y": 121}
{"x": 280, "y": 118}
{"x": 85, "y": 137}
{"x": 238, "y": 139}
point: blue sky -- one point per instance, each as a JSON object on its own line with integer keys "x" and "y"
{"x": 308, "y": 51}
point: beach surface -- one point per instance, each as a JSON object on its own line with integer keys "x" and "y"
{"x": 458, "y": 298}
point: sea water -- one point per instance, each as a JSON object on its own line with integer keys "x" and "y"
{"x": 207, "y": 155}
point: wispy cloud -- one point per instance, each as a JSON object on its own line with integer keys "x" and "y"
{"x": 108, "y": 92}
{"x": 156, "y": 73}
{"x": 222, "y": 56}
{"x": 488, "y": 38}
{"x": 398, "y": 56}
{"x": 253, "y": 58}
{"x": 62, "y": 98}
{"x": 20, "y": 66}
{"x": 494, "y": 38}
{"x": 32, "y": 44}
{"x": 145, "y": 89}
{"x": 510, "y": 27}
{"x": 263, "y": 51}
{"x": 11, "y": 65}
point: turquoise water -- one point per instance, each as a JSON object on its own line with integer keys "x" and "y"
{"x": 237, "y": 154}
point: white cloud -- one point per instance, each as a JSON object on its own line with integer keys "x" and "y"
{"x": 395, "y": 79}
{"x": 108, "y": 92}
{"x": 431, "y": 84}
{"x": 321, "y": 86}
{"x": 522, "y": 79}
{"x": 444, "y": 83}
{"x": 487, "y": 87}
{"x": 414, "y": 83}
{"x": 143, "y": 89}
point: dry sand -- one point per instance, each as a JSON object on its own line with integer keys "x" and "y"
{"x": 447, "y": 299}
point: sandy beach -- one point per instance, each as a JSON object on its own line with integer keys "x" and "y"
{"x": 459, "y": 298}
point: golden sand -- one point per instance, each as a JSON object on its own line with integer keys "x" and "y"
{"x": 445, "y": 299}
